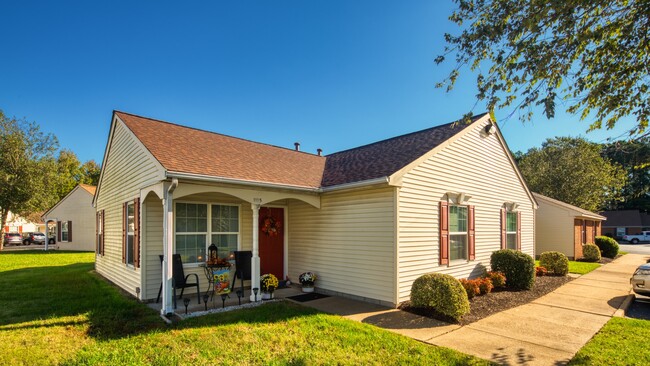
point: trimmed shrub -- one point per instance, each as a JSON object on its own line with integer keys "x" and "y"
{"x": 608, "y": 246}
{"x": 540, "y": 271}
{"x": 555, "y": 262}
{"x": 441, "y": 293}
{"x": 590, "y": 253}
{"x": 518, "y": 267}
{"x": 471, "y": 287}
{"x": 485, "y": 285}
{"x": 498, "y": 279}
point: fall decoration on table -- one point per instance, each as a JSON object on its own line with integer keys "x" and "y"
{"x": 269, "y": 225}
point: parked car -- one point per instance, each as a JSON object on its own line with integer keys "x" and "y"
{"x": 33, "y": 238}
{"x": 12, "y": 239}
{"x": 634, "y": 239}
{"x": 641, "y": 280}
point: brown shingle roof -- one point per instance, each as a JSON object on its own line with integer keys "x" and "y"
{"x": 383, "y": 158}
{"x": 188, "y": 150}
{"x": 581, "y": 211}
{"x": 90, "y": 189}
{"x": 624, "y": 218}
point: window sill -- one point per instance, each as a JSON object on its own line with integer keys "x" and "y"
{"x": 457, "y": 262}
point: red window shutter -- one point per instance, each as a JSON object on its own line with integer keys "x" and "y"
{"x": 503, "y": 228}
{"x": 101, "y": 247}
{"x": 97, "y": 250}
{"x": 519, "y": 230}
{"x": 136, "y": 232}
{"x": 444, "y": 232}
{"x": 58, "y": 231}
{"x": 124, "y": 219}
{"x": 471, "y": 242}
{"x": 69, "y": 231}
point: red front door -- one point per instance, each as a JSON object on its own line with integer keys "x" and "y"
{"x": 271, "y": 241}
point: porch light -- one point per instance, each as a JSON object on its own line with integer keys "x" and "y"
{"x": 205, "y": 301}
{"x": 186, "y": 302}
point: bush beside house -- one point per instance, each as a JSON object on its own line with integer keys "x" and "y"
{"x": 441, "y": 293}
{"x": 591, "y": 253}
{"x": 608, "y": 246}
{"x": 555, "y": 262}
{"x": 518, "y": 267}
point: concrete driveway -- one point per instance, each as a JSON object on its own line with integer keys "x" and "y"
{"x": 640, "y": 248}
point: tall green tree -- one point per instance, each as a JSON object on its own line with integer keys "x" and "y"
{"x": 69, "y": 173}
{"x": 634, "y": 157}
{"x": 591, "y": 56}
{"x": 26, "y": 154}
{"x": 91, "y": 171}
{"x": 572, "y": 170}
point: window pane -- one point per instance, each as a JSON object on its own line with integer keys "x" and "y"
{"x": 458, "y": 246}
{"x": 191, "y": 247}
{"x": 225, "y": 219}
{"x": 457, "y": 219}
{"x": 129, "y": 249}
{"x": 130, "y": 214}
{"x": 511, "y": 241}
{"x": 227, "y": 243}
{"x": 191, "y": 218}
{"x": 511, "y": 222}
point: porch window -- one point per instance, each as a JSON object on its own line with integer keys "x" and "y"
{"x": 64, "y": 231}
{"x": 511, "y": 230}
{"x": 457, "y": 232}
{"x": 225, "y": 228}
{"x": 130, "y": 232}
{"x": 191, "y": 231}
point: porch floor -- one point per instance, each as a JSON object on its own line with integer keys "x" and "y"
{"x": 216, "y": 302}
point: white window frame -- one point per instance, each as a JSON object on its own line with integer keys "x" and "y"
{"x": 64, "y": 230}
{"x": 208, "y": 234}
{"x": 99, "y": 233}
{"x": 130, "y": 233}
{"x": 459, "y": 233}
{"x": 510, "y": 213}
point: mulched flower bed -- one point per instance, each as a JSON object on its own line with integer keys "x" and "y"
{"x": 496, "y": 301}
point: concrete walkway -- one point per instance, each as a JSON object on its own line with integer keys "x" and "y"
{"x": 546, "y": 331}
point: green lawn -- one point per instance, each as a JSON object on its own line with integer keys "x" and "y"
{"x": 579, "y": 267}
{"x": 620, "y": 342}
{"x": 55, "y": 310}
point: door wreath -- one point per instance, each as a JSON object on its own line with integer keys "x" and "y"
{"x": 269, "y": 225}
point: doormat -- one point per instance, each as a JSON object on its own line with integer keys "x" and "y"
{"x": 307, "y": 297}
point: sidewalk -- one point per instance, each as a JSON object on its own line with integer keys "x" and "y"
{"x": 546, "y": 331}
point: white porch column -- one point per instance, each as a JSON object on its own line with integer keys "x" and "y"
{"x": 255, "y": 259}
{"x": 168, "y": 239}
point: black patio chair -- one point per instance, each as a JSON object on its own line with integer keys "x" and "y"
{"x": 242, "y": 267}
{"x": 179, "y": 279}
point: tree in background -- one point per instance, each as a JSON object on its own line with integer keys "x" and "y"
{"x": 572, "y": 170}
{"x": 634, "y": 157}
{"x": 90, "y": 172}
{"x": 591, "y": 56}
{"x": 25, "y": 156}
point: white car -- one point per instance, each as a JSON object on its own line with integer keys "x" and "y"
{"x": 641, "y": 280}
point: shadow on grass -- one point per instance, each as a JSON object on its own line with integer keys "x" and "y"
{"x": 41, "y": 293}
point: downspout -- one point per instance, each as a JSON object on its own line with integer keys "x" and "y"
{"x": 167, "y": 270}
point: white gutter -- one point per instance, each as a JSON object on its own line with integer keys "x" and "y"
{"x": 167, "y": 269}
{"x": 208, "y": 178}
{"x": 362, "y": 183}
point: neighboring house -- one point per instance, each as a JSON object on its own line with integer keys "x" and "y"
{"x": 625, "y": 222}
{"x": 564, "y": 228}
{"x": 19, "y": 224}
{"x": 71, "y": 221}
{"x": 368, "y": 221}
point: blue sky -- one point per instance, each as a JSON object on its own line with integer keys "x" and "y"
{"x": 330, "y": 74}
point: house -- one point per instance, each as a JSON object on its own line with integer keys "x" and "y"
{"x": 368, "y": 220}
{"x": 564, "y": 228}
{"x": 71, "y": 221}
{"x": 18, "y": 224}
{"x": 625, "y": 222}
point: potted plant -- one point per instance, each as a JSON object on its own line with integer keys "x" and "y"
{"x": 307, "y": 280}
{"x": 268, "y": 283}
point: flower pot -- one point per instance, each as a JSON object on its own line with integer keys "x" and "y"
{"x": 267, "y": 296}
{"x": 308, "y": 289}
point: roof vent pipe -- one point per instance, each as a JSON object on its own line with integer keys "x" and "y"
{"x": 320, "y": 152}
{"x": 297, "y": 145}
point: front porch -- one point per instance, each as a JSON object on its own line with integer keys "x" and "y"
{"x": 187, "y": 217}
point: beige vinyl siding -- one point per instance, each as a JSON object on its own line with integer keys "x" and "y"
{"x": 78, "y": 208}
{"x": 554, "y": 229}
{"x": 128, "y": 168}
{"x": 152, "y": 245}
{"x": 477, "y": 165}
{"x": 348, "y": 242}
